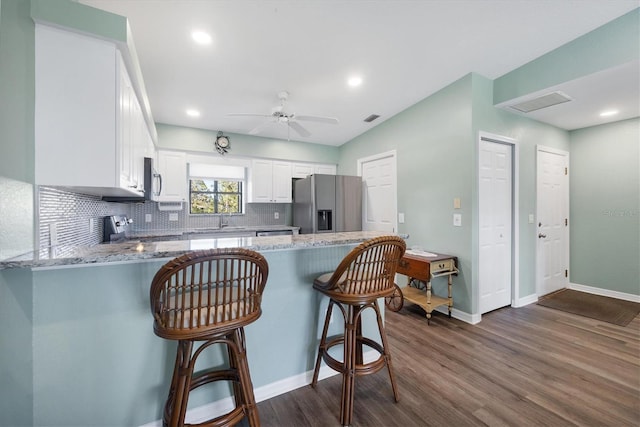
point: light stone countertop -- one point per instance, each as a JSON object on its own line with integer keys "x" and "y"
{"x": 132, "y": 251}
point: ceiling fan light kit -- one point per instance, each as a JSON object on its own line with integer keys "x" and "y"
{"x": 280, "y": 115}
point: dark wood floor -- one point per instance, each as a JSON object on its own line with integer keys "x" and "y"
{"x": 530, "y": 366}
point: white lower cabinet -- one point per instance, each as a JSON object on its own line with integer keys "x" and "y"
{"x": 172, "y": 167}
{"x": 270, "y": 181}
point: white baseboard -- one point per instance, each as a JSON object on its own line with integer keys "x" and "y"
{"x": 203, "y": 413}
{"x": 521, "y": 302}
{"x": 604, "y": 292}
{"x": 460, "y": 315}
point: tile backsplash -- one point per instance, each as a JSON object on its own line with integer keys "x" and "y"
{"x": 78, "y": 218}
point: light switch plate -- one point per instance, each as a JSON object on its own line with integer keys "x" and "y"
{"x": 401, "y": 217}
{"x": 457, "y": 220}
{"x": 531, "y": 219}
{"x": 456, "y": 203}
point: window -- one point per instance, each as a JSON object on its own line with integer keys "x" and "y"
{"x": 215, "y": 189}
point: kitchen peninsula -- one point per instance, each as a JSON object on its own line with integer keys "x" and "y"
{"x": 83, "y": 351}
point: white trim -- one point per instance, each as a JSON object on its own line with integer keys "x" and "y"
{"x": 266, "y": 392}
{"x": 460, "y": 315}
{"x": 515, "y": 183}
{"x": 530, "y": 299}
{"x": 604, "y": 292}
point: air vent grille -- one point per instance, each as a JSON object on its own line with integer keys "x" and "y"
{"x": 544, "y": 101}
{"x": 371, "y": 118}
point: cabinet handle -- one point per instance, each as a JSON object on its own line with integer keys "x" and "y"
{"x": 541, "y": 236}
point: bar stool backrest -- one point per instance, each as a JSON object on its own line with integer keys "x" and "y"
{"x": 368, "y": 271}
{"x": 207, "y": 291}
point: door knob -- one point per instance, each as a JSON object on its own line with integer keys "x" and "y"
{"x": 541, "y": 236}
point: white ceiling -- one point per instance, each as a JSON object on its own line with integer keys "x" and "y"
{"x": 404, "y": 51}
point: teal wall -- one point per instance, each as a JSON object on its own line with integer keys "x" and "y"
{"x": 605, "y": 206}
{"x": 17, "y": 95}
{"x": 528, "y": 134}
{"x": 616, "y": 43}
{"x": 436, "y": 143}
{"x": 201, "y": 140}
{"x": 434, "y": 148}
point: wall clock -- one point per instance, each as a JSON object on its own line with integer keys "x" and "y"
{"x": 223, "y": 143}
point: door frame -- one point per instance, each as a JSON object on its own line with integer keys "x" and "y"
{"x": 394, "y": 158}
{"x": 567, "y": 252}
{"x": 515, "y": 224}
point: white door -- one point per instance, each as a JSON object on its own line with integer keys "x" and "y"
{"x": 495, "y": 225}
{"x": 552, "y": 227}
{"x": 379, "y": 192}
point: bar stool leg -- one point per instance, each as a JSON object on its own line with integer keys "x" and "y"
{"x": 176, "y": 406}
{"x": 246, "y": 386}
{"x": 387, "y": 353}
{"x": 323, "y": 340}
{"x": 349, "y": 368}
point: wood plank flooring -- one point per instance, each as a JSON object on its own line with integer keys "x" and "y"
{"x": 530, "y": 366}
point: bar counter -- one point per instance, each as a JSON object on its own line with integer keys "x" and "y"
{"x": 78, "y": 347}
{"x": 135, "y": 250}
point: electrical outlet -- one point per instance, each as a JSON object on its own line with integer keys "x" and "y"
{"x": 147, "y": 218}
{"x": 401, "y": 218}
{"x": 173, "y": 217}
{"x": 457, "y": 220}
{"x": 276, "y": 215}
{"x": 531, "y": 219}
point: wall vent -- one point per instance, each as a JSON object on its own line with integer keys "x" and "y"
{"x": 371, "y": 118}
{"x": 544, "y": 101}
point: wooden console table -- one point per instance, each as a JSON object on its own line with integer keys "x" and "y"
{"x": 420, "y": 268}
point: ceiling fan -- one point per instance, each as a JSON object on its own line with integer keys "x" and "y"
{"x": 280, "y": 115}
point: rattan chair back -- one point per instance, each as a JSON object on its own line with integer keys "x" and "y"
{"x": 207, "y": 291}
{"x": 367, "y": 272}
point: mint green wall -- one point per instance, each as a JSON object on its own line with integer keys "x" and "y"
{"x": 528, "y": 134}
{"x": 435, "y": 156}
{"x": 16, "y": 128}
{"x": 201, "y": 140}
{"x": 436, "y": 143}
{"x": 614, "y": 43}
{"x": 605, "y": 206}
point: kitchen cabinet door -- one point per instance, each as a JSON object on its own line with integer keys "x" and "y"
{"x": 270, "y": 181}
{"x": 172, "y": 166}
{"x": 325, "y": 169}
{"x": 281, "y": 182}
{"x": 87, "y": 116}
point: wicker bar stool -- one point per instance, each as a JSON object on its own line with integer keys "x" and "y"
{"x": 364, "y": 275}
{"x": 205, "y": 298}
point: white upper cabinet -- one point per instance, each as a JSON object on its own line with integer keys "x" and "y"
{"x": 302, "y": 170}
{"x": 172, "y": 167}
{"x": 270, "y": 181}
{"x": 90, "y": 132}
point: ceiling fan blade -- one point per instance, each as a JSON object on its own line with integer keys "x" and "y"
{"x": 319, "y": 119}
{"x": 259, "y": 128}
{"x": 247, "y": 115}
{"x": 299, "y": 129}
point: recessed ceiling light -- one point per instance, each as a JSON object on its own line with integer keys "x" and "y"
{"x": 193, "y": 113}
{"x": 201, "y": 37}
{"x": 608, "y": 113}
{"x": 354, "y": 81}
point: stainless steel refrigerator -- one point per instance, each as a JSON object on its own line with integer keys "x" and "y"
{"x": 327, "y": 203}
